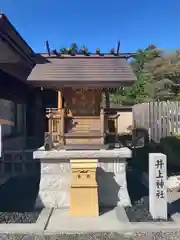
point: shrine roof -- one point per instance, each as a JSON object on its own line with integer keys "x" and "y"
{"x": 105, "y": 70}
{"x": 67, "y": 70}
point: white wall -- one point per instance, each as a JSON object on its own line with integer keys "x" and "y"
{"x": 124, "y": 121}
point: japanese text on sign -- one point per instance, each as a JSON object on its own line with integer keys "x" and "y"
{"x": 159, "y": 179}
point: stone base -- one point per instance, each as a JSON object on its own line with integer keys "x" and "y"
{"x": 54, "y": 187}
{"x": 54, "y": 184}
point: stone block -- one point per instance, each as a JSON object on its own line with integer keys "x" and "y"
{"x": 54, "y": 198}
{"x": 112, "y": 165}
{"x": 55, "y": 182}
{"x": 54, "y": 167}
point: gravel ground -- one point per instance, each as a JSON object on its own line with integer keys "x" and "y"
{"x": 73, "y": 236}
{"x": 17, "y": 217}
{"x": 161, "y": 235}
{"x": 170, "y": 235}
{"x": 17, "y": 200}
{"x": 139, "y": 212}
{"x": 19, "y": 194}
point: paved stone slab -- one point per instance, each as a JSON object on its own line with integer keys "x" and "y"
{"x": 43, "y": 218}
{"x": 121, "y": 214}
{"x": 61, "y": 221}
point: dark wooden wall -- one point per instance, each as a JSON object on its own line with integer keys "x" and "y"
{"x": 12, "y": 89}
{"x": 17, "y": 91}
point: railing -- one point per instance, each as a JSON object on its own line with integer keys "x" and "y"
{"x": 57, "y": 111}
{"x": 60, "y": 124}
{"x": 55, "y": 125}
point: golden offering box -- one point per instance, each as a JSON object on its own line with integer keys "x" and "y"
{"x": 84, "y": 188}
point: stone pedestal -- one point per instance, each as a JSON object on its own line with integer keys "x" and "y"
{"x": 112, "y": 183}
{"x": 54, "y": 184}
{"x": 54, "y": 190}
{"x": 84, "y": 188}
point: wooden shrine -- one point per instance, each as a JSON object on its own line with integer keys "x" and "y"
{"x": 81, "y": 80}
{"x": 80, "y": 120}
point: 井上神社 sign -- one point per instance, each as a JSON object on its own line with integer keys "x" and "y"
{"x": 158, "y": 185}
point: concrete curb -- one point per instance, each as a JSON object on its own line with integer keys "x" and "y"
{"x": 126, "y": 228}
{"x": 123, "y": 229}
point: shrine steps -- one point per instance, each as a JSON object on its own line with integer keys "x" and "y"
{"x": 81, "y": 124}
{"x": 83, "y": 137}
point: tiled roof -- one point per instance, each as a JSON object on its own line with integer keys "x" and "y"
{"x": 83, "y": 69}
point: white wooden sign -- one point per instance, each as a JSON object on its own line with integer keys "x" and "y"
{"x": 158, "y": 185}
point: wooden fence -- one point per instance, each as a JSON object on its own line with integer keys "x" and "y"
{"x": 161, "y": 119}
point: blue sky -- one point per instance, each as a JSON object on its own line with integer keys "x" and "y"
{"x": 97, "y": 24}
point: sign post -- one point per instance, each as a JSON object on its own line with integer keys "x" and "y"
{"x": 158, "y": 185}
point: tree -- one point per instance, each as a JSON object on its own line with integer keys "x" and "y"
{"x": 166, "y": 76}
{"x": 143, "y": 56}
{"x": 157, "y": 72}
{"x": 142, "y": 90}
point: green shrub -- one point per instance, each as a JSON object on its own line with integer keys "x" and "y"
{"x": 171, "y": 147}
{"x": 177, "y": 135}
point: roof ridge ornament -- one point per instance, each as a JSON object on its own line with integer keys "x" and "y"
{"x": 118, "y": 47}
{"x": 48, "y": 48}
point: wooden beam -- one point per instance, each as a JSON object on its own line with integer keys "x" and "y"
{"x": 49, "y": 140}
{"x": 107, "y": 98}
{"x": 62, "y": 125}
{"x": 59, "y": 98}
{"x": 102, "y": 125}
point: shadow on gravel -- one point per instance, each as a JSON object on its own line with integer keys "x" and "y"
{"x": 19, "y": 193}
{"x": 136, "y": 188}
{"x": 174, "y": 207}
